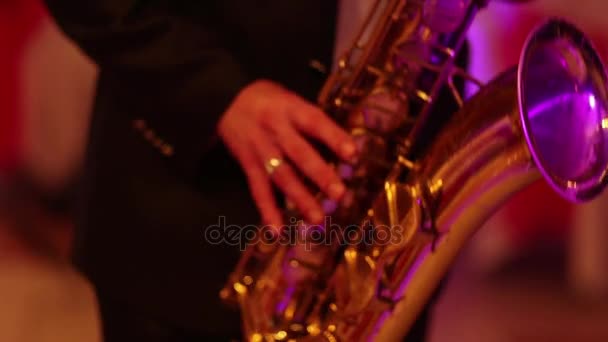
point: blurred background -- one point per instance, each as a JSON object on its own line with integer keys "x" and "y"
{"x": 538, "y": 271}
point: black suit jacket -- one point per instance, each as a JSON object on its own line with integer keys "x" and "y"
{"x": 156, "y": 175}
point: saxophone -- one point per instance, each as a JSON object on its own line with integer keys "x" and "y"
{"x": 424, "y": 181}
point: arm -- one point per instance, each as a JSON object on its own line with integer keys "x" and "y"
{"x": 178, "y": 75}
{"x": 166, "y": 69}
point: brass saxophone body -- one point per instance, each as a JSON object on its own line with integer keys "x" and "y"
{"x": 423, "y": 184}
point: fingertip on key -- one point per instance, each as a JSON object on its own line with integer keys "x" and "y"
{"x": 348, "y": 150}
{"x": 316, "y": 217}
{"x": 336, "y": 190}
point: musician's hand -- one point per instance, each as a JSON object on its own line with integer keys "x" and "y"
{"x": 267, "y": 124}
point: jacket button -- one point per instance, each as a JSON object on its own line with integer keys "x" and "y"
{"x": 139, "y": 124}
{"x": 149, "y": 135}
{"x": 166, "y": 150}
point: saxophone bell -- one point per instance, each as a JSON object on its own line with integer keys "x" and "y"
{"x": 563, "y": 103}
{"x": 545, "y": 119}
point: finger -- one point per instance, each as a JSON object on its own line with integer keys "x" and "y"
{"x": 294, "y": 189}
{"x": 286, "y": 180}
{"x": 306, "y": 158}
{"x": 261, "y": 191}
{"x": 313, "y": 122}
{"x": 259, "y": 184}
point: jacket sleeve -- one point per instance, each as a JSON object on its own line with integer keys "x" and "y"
{"x": 167, "y": 69}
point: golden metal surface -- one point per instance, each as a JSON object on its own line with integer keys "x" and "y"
{"x": 418, "y": 209}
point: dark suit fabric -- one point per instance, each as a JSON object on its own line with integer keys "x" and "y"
{"x": 176, "y": 65}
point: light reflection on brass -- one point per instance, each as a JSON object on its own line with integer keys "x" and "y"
{"x": 428, "y": 205}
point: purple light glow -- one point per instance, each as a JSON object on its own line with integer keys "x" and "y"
{"x": 282, "y": 305}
